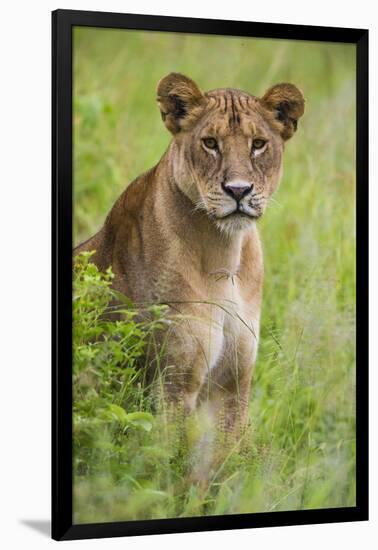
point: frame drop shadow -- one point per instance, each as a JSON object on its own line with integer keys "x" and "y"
{"x": 43, "y": 526}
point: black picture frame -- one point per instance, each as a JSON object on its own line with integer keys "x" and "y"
{"x": 62, "y": 23}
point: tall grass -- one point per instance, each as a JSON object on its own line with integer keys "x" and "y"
{"x": 300, "y": 449}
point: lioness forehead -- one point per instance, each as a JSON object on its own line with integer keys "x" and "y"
{"x": 231, "y": 109}
{"x": 224, "y": 97}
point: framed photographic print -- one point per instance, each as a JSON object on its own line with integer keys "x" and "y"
{"x": 210, "y": 247}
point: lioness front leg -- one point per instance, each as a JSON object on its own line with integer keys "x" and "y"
{"x": 183, "y": 378}
{"x": 224, "y": 398}
{"x": 228, "y": 405}
{"x": 192, "y": 348}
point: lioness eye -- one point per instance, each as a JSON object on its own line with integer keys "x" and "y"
{"x": 258, "y": 143}
{"x": 210, "y": 143}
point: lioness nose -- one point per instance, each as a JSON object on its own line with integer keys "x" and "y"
{"x": 238, "y": 189}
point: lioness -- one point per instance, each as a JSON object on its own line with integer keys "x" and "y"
{"x": 184, "y": 234}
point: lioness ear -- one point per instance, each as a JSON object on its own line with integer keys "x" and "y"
{"x": 287, "y": 103}
{"x": 180, "y": 101}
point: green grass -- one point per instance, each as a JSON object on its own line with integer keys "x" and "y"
{"x": 300, "y": 448}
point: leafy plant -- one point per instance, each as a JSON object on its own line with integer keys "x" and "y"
{"x": 108, "y": 392}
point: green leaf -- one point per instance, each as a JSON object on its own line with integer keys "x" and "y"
{"x": 140, "y": 419}
{"x": 118, "y": 413}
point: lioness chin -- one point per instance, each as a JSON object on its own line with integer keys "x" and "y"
{"x": 184, "y": 233}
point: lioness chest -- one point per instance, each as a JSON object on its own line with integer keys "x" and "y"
{"x": 218, "y": 309}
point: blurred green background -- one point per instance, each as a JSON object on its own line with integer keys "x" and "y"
{"x": 303, "y": 399}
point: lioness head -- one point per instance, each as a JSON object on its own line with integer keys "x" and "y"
{"x": 228, "y": 145}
